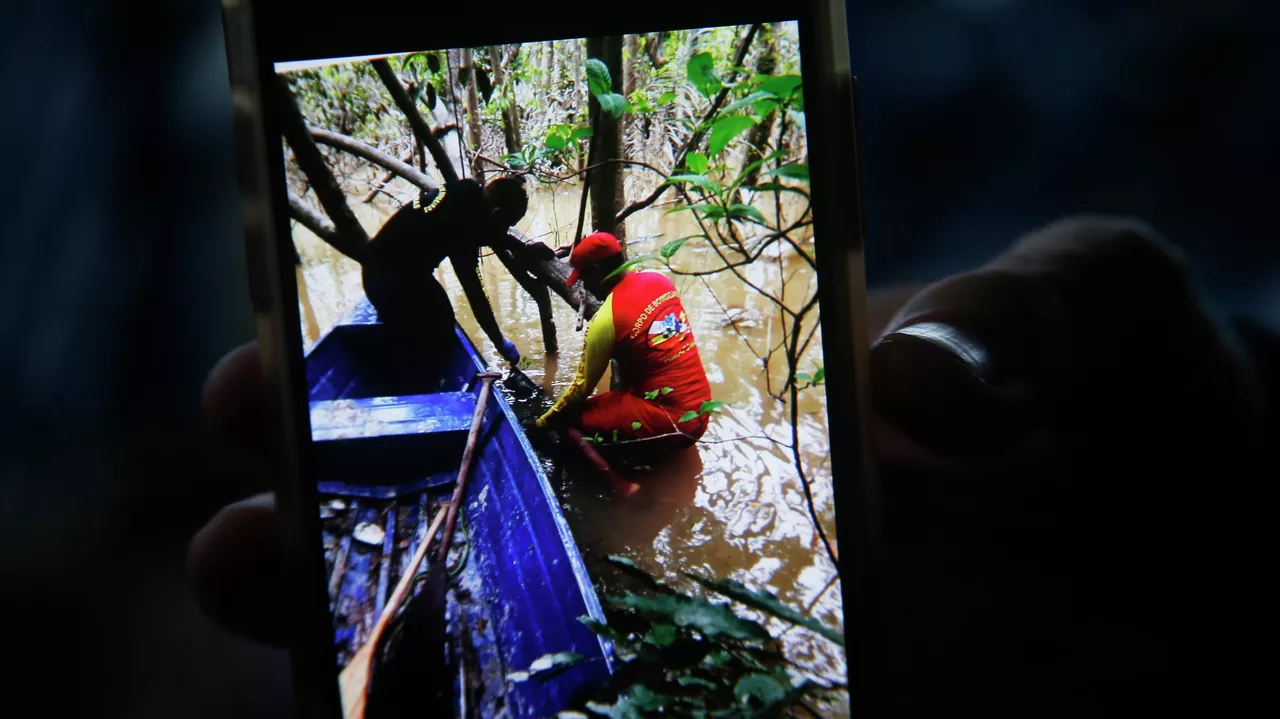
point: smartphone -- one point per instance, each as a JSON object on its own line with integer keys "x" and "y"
{"x": 563, "y": 312}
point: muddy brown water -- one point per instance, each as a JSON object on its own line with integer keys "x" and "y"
{"x": 734, "y": 507}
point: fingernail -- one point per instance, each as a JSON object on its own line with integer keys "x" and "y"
{"x": 938, "y": 384}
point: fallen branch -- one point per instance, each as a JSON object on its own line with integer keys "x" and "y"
{"x": 310, "y": 218}
{"x": 374, "y": 155}
{"x": 349, "y": 236}
{"x": 381, "y": 183}
{"x": 421, "y": 129}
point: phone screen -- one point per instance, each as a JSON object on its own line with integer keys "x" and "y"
{"x": 620, "y": 229}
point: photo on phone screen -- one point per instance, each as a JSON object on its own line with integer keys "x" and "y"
{"x": 573, "y": 282}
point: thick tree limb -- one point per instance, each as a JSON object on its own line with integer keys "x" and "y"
{"x": 537, "y": 291}
{"x": 349, "y": 235}
{"x": 374, "y": 155}
{"x": 549, "y": 271}
{"x": 421, "y": 129}
{"x": 738, "y": 56}
{"x": 310, "y": 218}
{"x": 653, "y": 44}
{"x": 387, "y": 177}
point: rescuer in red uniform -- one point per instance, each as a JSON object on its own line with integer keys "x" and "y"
{"x": 642, "y": 325}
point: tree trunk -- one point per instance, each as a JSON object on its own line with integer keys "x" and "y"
{"x": 579, "y": 96}
{"x": 630, "y": 68}
{"x": 510, "y": 117}
{"x": 654, "y": 42}
{"x": 606, "y": 182}
{"x": 421, "y": 130}
{"x": 348, "y": 231}
{"x": 548, "y": 62}
{"x": 758, "y": 136}
{"x": 468, "y": 70}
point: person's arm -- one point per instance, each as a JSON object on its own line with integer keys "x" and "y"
{"x": 466, "y": 265}
{"x": 596, "y": 354}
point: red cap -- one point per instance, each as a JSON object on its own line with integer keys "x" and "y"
{"x": 593, "y": 248}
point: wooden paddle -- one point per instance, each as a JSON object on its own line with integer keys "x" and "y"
{"x": 353, "y": 682}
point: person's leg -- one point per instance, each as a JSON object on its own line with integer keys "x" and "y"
{"x": 625, "y": 417}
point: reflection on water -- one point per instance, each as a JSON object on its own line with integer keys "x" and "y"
{"x": 735, "y": 508}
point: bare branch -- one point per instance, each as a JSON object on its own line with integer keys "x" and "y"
{"x": 421, "y": 129}
{"x": 350, "y": 235}
{"x": 310, "y": 218}
{"x": 374, "y": 155}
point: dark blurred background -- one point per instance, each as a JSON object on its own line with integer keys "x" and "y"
{"x": 121, "y": 280}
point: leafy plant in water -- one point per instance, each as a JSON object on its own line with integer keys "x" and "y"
{"x": 681, "y": 655}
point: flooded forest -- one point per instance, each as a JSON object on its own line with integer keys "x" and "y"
{"x": 689, "y": 146}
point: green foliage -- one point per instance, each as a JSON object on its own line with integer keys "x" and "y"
{"x": 683, "y": 656}
{"x": 628, "y": 265}
{"x": 725, "y": 129}
{"x": 666, "y": 98}
{"x": 710, "y": 407}
{"x": 766, "y": 602}
{"x": 546, "y": 666}
{"x": 635, "y": 425}
{"x": 696, "y": 162}
{"x": 793, "y": 171}
{"x": 687, "y": 416}
{"x": 580, "y": 133}
{"x": 599, "y": 81}
{"x": 738, "y": 209}
{"x": 651, "y": 394}
{"x": 668, "y": 390}
{"x": 699, "y": 180}
{"x": 701, "y": 72}
{"x": 613, "y": 103}
{"x": 753, "y": 100}
{"x": 784, "y": 87}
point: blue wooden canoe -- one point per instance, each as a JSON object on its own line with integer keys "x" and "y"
{"x": 388, "y": 441}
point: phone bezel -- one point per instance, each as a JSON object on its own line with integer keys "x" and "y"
{"x": 261, "y": 33}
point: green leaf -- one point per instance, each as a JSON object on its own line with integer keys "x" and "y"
{"x": 696, "y": 162}
{"x": 629, "y": 264}
{"x": 710, "y": 407}
{"x": 751, "y": 99}
{"x": 546, "y": 666}
{"x": 724, "y": 130}
{"x": 699, "y": 180}
{"x": 661, "y": 635}
{"x": 652, "y": 394}
{"x": 687, "y": 416}
{"x": 820, "y": 375}
{"x": 668, "y": 390}
{"x": 711, "y": 620}
{"x": 515, "y": 161}
{"x": 669, "y": 250}
{"x": 598, "y": 80}
{"x": 702, "y": 73}
{"x": 738, "y": 209}
{"x": 760, "y": 687}
{"x": 794, "y": 171}
{"x": 602, "y": 629}
{"x": 708, "y": 210}
{"x": 555, "y": 143}
{"x": 579, "y": 133}
{"x": 782, "y": 86}
{"x": 666, "y": 97}
{"x": 765, "y": 106}
{"x": 768, "y": 603}
{"x": 636, "y": 425}
{"x": 612, "y": 103}
{"x": 634, "y": 571}
{"x": 687, "y": 681}
{"x": 615, "y": 435}
{"x": 803, "y": 377}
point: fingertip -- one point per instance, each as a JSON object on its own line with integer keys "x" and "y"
{"x": 235, "y": 568}
{"x": 234, "y": 405}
